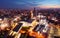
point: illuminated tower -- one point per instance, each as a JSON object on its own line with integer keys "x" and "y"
{"x": 31, "y": 12}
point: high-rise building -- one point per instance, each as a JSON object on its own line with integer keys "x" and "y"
{"x": 31, "y": 14}
{"x": 34, "y": 12}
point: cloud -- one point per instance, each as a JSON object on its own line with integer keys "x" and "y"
{"x": 28, "y": 3}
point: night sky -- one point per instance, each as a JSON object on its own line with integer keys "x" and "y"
{"x": 29, "y": 3}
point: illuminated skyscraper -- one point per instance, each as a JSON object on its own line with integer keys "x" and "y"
{"x": 31, "y": 14}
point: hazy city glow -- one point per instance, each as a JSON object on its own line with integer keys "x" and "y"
{"x": 48, "y": 6}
